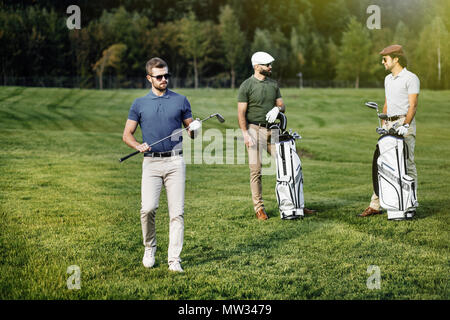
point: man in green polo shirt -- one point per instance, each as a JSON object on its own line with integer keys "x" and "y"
{"x": 259, "y": 102}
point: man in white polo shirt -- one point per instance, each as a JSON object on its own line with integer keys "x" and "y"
{"x": 401, "y": 96}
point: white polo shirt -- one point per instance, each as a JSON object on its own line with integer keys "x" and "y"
{"x": 397, "y": 90}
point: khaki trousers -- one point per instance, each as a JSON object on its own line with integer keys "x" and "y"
{"x": 410, "y": 140}
{"x": 170, "y": 172}
{"x": 262, "y": 137}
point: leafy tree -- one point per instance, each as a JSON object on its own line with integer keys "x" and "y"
{"x": 233, "y": 40}
{"x": 111, "y": 57}
{"x": 275, "y": 44}
{"x": 195, "y": 39}
{"x": 432, "y": 55}
{"x": 33, "y": 41}
{"x": 332, "y": 54}
{"x": 354, "y": 53}
{"x": 297, "y": 54}
{"x": 164, "y": 41}
{"x": 311, "y": 44}
{"x": 381, "y": 38}
{"x": 405, "y": 37}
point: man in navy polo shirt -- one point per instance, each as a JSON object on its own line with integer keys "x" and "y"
{"x": 160, "y": 113}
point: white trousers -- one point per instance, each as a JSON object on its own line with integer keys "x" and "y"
{"x": 170, "y": 172}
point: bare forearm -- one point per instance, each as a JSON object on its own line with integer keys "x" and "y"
{"x": 411, "y": 113}
{"x": 242, "y": 121}
{"x": 280, "y": 104}
{"x": 385, "y": 112}
{"x": 413, "y": 99}
{"x": 130, "y": 140}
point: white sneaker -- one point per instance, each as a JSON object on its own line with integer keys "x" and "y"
{"x": 149, "y": 257}
{"x": 175, "y": 266}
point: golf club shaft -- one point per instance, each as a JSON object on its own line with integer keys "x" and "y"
{"x": 175, "y": 133}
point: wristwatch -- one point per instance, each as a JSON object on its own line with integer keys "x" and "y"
{"x": 406, "y": 125}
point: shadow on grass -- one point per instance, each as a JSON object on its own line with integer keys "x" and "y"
{"x": 203, "y": 254}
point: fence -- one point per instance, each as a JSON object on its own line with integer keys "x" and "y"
{"x": 111, "y": 82}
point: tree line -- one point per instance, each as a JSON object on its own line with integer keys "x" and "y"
{"x": 323, "y": 39}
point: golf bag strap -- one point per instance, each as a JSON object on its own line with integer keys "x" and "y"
{"x": 376, "y": 154}
{"x": 406, "y": 150}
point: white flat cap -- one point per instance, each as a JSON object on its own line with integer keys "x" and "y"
{"x": 261, "y": 57}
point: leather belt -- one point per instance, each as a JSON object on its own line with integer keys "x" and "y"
{"x": 395, "y": 118}
{"x": 163, "y": 154}
{"x": 260, "y": 124}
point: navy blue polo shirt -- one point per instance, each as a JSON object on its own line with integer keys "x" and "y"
{"x": 160, "y": 117}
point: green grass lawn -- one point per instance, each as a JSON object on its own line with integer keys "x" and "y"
{"x": 66, "y": 200}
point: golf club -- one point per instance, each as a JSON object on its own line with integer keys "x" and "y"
{"x": 380, "y": 130}
{"x": 217, "y": 115}
{"x": 374, "y": 105}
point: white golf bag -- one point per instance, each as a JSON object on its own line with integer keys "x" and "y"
{"x": 289, "y": 186}
{"x": 395, "y": 189}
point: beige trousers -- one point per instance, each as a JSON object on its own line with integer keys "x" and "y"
{"x": 410, "y": 140}
{"x": 170, "y": 172}
{"x": 262, "y": 137}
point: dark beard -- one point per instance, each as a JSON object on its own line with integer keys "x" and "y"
{"x": 159, "y": 88}
{"x": 266, "y": 73}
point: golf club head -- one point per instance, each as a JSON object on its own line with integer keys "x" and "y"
{"x": 372, "y": 105}
{"x": 219, "y": 117}
{"x": 383, "y": 116}
{"x": 381, "y": 131}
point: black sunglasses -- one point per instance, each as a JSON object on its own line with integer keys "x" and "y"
{"x": 159, "y": 78}
{"x": 266, "y": 65}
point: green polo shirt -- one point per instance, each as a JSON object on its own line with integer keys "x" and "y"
{"x": 260, "y": 97}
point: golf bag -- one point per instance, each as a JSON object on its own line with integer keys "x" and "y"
{"x": 395, "y": 189}
{"x": 289, "y": 186}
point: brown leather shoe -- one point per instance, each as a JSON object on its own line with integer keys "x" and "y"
{"x": 308, "y": 211}
{"x": 261, "y": 214}
{"x": 369, "y": 212}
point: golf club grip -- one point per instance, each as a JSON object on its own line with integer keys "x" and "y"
{"x": 129, "y": 156}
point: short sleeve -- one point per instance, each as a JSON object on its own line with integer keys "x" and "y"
{"x": 187, "y": 113}
{"x": 133, "y": 114}
{"x": 242, "y": 93}
{"x": 278, "y": 92}
{"x": 413, "y": 85}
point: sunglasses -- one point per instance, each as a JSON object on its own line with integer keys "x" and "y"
{"x": 160, "y": 77}
{"x": 266, "y": 65}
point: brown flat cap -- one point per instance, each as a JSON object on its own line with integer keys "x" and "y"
{"x": 393, "y": 49}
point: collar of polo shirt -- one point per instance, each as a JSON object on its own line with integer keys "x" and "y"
{"x": 166, "y": 95}
{"x": 400, "y": 73}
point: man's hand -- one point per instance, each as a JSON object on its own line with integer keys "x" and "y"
{"x": 403, "y": 130}
{"x": 248, "y": 140}
{"x": 195, "y": 125}
{"x": 272, "y": 115}
{"x": 142, "y": 147}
